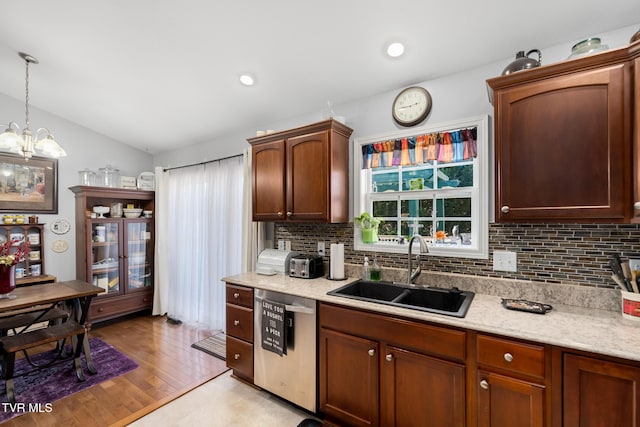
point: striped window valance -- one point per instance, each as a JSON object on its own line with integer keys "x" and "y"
{"x": 445, "y": 147}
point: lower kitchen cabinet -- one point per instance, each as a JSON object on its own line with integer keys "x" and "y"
{"x": 512, "y": 382}
{"x": 239, "y": 321}
{"x": 349, "y": 380}
{"x": 420, "y": 390}
{"x": 506, "y": 401}
{"x": 378, "y": 370}
{"x": 599, "y": 393}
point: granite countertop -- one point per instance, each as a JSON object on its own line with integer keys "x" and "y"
{"x": 595, "y": 330}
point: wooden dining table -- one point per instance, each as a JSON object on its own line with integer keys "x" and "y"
{"x": 76, "y": 294}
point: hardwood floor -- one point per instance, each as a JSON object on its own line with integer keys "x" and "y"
{"x": 168, "y": 368}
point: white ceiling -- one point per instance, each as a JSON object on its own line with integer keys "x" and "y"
{"x": 156, "y": 73}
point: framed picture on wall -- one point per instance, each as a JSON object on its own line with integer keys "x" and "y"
{"x": 28, "y": 186}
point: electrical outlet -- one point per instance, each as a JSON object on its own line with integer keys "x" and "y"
{"x": 287, "y": 245}
{"x": 505, "y": 261}
{"x": 634, "y": 264}
{"x": 321, "y": 248}
{"x": 281, "y": 245}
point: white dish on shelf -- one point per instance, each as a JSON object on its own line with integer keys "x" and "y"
{"x": 101, "y": 210}
{"x": 132, "y": 213}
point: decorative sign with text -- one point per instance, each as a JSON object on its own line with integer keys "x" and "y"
{"x": 273, "y": 327}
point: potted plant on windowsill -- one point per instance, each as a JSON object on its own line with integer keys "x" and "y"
{"x": 369, "y": 226}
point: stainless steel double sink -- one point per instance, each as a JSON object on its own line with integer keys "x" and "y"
{"x": 450, "y": 302}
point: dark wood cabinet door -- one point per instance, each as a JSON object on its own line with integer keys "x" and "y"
{"x": 600, "y": 393}
{"x": 636, "y": 140}
{"x": 509, "y": 402}
{"x": 268, "y": 174}
{"x": 562, "y": 150}
{"x": 348, "y": 379}
{"x": 418, "y": 390}
{"x": 308, "y": 177}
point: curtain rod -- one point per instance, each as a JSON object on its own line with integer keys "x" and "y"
{"x": 203, "y": 163}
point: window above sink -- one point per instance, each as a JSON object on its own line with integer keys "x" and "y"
{"x": 428, "y": 180}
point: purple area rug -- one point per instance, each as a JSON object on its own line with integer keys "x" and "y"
{"x": 37, "y": 390}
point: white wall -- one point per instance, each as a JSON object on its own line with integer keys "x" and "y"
{"x": 456, "y": 96}
{"x": 85, "y": 149}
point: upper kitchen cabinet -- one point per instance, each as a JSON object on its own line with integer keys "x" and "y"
{"x": 565, "y": 140}
{"x": 302, "y": 174}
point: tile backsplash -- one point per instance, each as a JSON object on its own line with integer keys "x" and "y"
{"x": 560, "y": 253}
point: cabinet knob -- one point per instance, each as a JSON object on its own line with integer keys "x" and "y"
{"x": 508, "y": 357}
{"x": 280, "y": 214}
{"x": 237, "y": 322}
{"x": 236, "y": 356}
{"x": 636, "y": 205}
{"x": 236, "y": 295}
{"x": 372, "y": 352}
{"x": 484, "y": 384}
{"x": 389, "y": 357}
{"x": 289, "y": 214}
{"x": 505, "y": 209}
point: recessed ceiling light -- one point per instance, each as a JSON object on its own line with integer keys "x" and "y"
{"x": 395, "y": 49}
{"x": 247, "y": 79}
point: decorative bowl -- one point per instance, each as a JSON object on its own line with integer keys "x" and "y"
{"x": 101, "y": 210}
{"x": 132, "y": 213}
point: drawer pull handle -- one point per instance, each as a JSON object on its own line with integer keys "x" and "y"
{"x": 636, "y": 205}
{"x": 236, "y": 295}
{"x": 389, "y": 357}
{"x": 484, "y": 384}
{"x": 372, "y": 352}
{"x": 508, "y": 357}
{"x": 505, "y": 209}
{"x": 289, "y": 214}
{"x": 236, "y": 356}
{"x": 280, "y": 214}
{"x": 236, "y": 322}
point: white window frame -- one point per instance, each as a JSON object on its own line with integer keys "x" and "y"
{"x": 479, "y": 192}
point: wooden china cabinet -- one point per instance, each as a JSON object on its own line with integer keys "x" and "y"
{"x": 302, "y": 174}
{"x": 115, "y": 253}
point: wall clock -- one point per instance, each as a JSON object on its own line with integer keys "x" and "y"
{"x": 411, "y": 106}
{"x": 60, "y": 226}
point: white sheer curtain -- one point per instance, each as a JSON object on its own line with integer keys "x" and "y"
{"x": 199, "y": 240}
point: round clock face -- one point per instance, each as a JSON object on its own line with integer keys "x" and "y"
{"x": 60, "y": 226}
{"x": 411, "y": 106}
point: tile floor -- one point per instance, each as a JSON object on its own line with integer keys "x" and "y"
{"x": 225, "y": 401}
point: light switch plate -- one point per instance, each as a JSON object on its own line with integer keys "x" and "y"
{"x": 505, "y": 261}
{"x": 321, "y": 248}
{"x": 281, "y": 245}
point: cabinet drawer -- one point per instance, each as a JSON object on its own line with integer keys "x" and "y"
{"x": 240, "y": 295}
{"x": 240, "y": 357}
{"x": 513, "y": 356}
{"x": 110, "y": 307}
{"x": 240, "y": 322}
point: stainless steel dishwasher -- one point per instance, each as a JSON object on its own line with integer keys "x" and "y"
{"x": 288, "y": 368}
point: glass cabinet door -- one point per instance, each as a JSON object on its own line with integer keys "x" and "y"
{"x": 139, "y": 255}
{"x": 105, "y": 254}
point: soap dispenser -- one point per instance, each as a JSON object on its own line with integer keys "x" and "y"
{"x": 376, "y": 271}
{"x": 366, "y": 272}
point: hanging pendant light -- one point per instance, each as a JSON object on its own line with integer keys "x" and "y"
{"x": 26, "y": 143}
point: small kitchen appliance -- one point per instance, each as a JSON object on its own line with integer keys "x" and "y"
{"x": 274, "y": 261}
{"x": 306, "y": 266}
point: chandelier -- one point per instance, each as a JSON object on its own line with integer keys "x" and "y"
{"x": 27, "y": 144}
